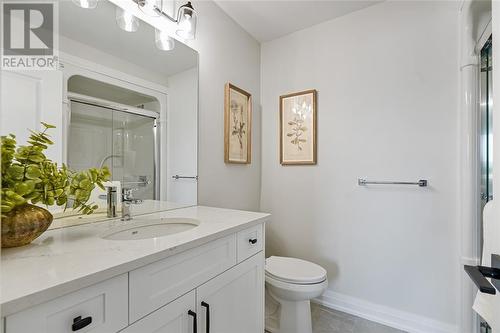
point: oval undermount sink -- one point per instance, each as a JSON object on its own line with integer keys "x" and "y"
{"x": 150, "y": 228}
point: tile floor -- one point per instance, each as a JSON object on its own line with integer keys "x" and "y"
{"x": 326, "y": 320}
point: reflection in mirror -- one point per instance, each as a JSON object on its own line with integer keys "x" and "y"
{"x": 123, "y": 141}
{"x": 110, "y": 101}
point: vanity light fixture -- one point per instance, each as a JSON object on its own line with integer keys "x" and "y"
{"x": 88, "y": 4}
{"x": 163, "y": 41}
{"x": 185, "y": 20}
{"x": 126, "y": 20}
{"x": 150, "y": 7}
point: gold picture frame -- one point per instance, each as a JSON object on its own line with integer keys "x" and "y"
{"x": 298, "y": 128}
{"x": 237, "y": 125}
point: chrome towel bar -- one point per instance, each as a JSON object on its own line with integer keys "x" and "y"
{"x": 362, "y": 182}
{"x": 176, "y": 177}
{"x": 140, "y": 183}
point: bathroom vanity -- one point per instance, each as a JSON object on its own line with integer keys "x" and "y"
{"x": 209, "y": 278}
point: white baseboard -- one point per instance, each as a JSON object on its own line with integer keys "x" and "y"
{"x": 384, "y": 315}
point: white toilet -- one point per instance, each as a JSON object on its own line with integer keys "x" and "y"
{"x": 292, "y": 283}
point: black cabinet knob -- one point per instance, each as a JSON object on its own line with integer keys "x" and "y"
{"x": 79, "y": 323}
{"x": 252, "y": 241}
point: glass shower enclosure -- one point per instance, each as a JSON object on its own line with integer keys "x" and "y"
{"x": 124, "y": 141}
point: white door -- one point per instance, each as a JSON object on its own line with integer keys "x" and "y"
{"x": 26, "y": 99}
{"x": 175, "y": 317}
{"x": 234, "y": 301}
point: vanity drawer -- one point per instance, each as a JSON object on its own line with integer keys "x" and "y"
{"x": 249, "y": 242}
{"x": 159, "y": 283}
{"x": 103, "y": 306}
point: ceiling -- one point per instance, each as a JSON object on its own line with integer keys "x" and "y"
{"x": 97, "y": 28}
{"x": 269, "y": 19}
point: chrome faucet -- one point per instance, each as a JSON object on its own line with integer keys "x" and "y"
{"x": 127, "y": 200}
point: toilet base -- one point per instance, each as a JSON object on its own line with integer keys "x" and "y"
{"x": 292, "y": 316}
{"x": 295, "y": 317}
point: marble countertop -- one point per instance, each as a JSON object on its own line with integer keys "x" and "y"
{"x": 67, "y": 259}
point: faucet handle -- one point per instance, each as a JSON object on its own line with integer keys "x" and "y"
{"x": 127, "y": 193}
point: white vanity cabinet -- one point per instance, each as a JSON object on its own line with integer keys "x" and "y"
{"x": 231, "y": 302}
{"x": 215, "y": 287}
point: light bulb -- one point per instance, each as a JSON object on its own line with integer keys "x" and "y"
{"x": 126, "y": 20}
{"x": 87, "y": 4}
{"x": 163, "y": 41}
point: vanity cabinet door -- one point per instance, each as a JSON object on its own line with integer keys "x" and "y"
{"x": 172, "y": 318}
{"x": 234, "y": 301}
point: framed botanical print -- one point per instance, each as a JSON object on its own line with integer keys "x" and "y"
{"x": 298, "y": 128}
{"x": 237, "y": 125}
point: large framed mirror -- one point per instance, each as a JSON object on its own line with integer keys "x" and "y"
{"x": 121, "y": 99}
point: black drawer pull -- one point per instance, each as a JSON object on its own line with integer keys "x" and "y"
{"x": 252, "y": 241}
{"x": 79, "y": 323}
{"x": 195, "y": 321}
{"x": 207, "y": 324}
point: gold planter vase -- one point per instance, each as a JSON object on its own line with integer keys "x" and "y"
{"x": 22, "y": 225}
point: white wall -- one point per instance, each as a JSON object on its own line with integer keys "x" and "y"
{"x": 387, "y": 81}
{"x": 75, "y": 48}
{"x": 227, "y": 54}
{"x": 182, "y": 141}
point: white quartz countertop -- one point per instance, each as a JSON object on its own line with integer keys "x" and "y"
{"x": 67, "y": 259}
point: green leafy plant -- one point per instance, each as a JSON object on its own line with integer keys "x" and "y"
{"x": 28, "y": 176}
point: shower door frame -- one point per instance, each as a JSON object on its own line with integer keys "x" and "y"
{"x": 79, "y": 98}
{"x": 475, "y": 29}
{"x": 485, "y": 124}
{"x": 71, "y": 65}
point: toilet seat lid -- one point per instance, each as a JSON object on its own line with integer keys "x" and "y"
{"x": 294, "y": 270}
